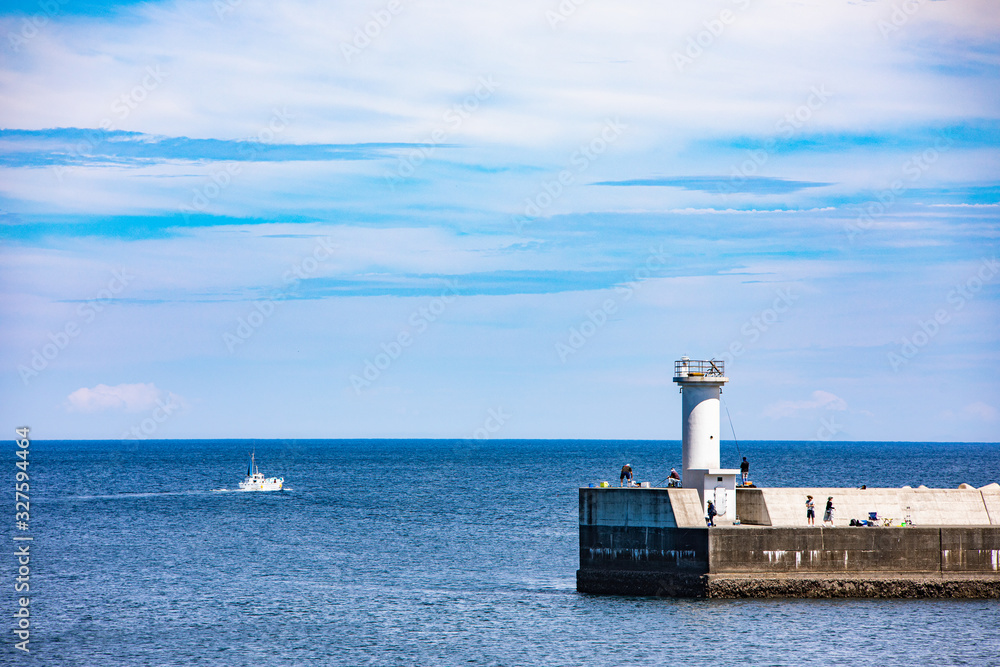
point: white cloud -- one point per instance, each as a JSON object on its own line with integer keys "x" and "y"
{"x": 128, "y": 397}
{"x": 554, "y": 81}
{"x": 820, "y": 399}
{"x": 981, "y": 411}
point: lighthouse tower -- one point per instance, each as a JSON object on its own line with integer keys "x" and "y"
{"x": 701, "y": 385}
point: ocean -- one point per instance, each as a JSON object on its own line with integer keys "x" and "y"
{"x": 425, "y": 552}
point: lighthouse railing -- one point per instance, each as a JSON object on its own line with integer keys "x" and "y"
{"x": 696, "y": 367}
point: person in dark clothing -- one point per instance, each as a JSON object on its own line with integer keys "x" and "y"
{"x": 711, "y": 513}
{"x": 625, "y": 479}
{"x": 828, "y": 514}
{"x": 745, "y": 470}
{"x": 674, "y": 479}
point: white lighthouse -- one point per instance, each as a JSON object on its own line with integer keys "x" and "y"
{"x": 701, "y": 385}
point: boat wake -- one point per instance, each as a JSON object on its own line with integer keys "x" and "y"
{"x": 283, "y": 488}
{"x": 129, "y": 495}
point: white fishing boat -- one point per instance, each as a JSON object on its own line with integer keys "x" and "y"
{"x": 255, "y": 480}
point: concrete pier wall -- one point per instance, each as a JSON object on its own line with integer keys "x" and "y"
{"x": 939, "y": 550}
{"x": 925, "y": 507}
{"x": 631, "y": 543}
{"x": 652, "y": 508}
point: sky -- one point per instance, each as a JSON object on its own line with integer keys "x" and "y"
{"x": 499, "y": 219}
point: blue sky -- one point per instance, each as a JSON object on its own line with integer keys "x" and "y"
{"x": 396, "y": 219}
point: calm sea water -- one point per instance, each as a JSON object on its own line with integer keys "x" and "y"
{"x": 409, "y": 552}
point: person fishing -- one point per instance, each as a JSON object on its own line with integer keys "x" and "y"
{"x": 625, "y": 479}
{"x": 674, "y": 479}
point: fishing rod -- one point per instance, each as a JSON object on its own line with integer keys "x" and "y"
{"x": 738, "y": 452}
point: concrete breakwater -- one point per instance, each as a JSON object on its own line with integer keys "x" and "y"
{"x": 655, "y": 542}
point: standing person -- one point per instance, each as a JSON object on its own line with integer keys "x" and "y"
{"x": 745, "y": 470}
{"x": 711, "y": 513}
{"x": 828, "y": 515}
{"x": 625, "y": 479}
{"x": 810, "y": 511}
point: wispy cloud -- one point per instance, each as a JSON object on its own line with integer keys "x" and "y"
{"x": 973, "y": 133}
{"x": 980, "y": 410}
{"x": 820, "y": 400}
{"x": 754, "y": 184}
{"x": 79, "y": 147}
{"x": 123, "y": 397}
{"x": 494, "y": 283}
